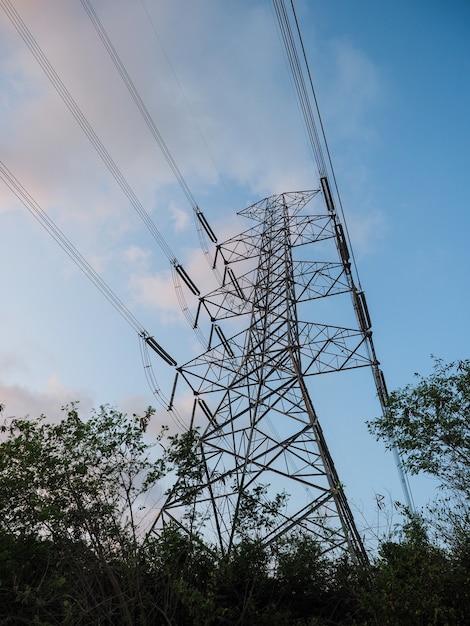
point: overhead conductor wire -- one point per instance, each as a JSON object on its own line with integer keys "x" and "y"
{"x": 84, "y": 124}
{"x": 179, "y": 274}
{"x": 129, "y": 83}
{"x": 203, "y": 229}
{"x": 177, "y": 268}
{"x": 48, "y": 224}
{"x": 316, "y": 143}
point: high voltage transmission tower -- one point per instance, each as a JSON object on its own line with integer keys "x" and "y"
{"x": 261, "y": 464}
{"x": 261, "y": 443}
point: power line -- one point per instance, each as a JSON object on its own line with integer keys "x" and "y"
{"x": 155, "y": 31}
{"x": 48, "y": 224}
{"x": 85, "y": 125}
{"x": 304, "y": 87}
{"x": 147, "y": 341}
{"x": 299, "y": 82}
{"x": 318, "y": 141}
{"x": 200, "y": 221}
{"x": 98, "y": 145}
{"x": 36, "y": 211}
{"x": 103, "y": 35}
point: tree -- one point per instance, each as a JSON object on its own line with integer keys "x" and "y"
{"x": 414, "y": 582}
{"x": 73, "y": 492}
{"x": 429, "y": 423}
{"x": 76, "y": 549}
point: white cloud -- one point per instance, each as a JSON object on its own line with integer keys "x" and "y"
{"x": 180, "y": 218}
{"x": 156, "y": 291}
{"x": 137, "y": 256}
{"x": 231, "y": 72}
{"x": 21, "y": 401}
{"x": 352, "y": 89}
{"x": 367, "y": 231}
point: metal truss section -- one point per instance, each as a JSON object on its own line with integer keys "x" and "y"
{"x": 313, "y": 279}
{"x": 261, "y": 448}
{"x": 322, "y": 349}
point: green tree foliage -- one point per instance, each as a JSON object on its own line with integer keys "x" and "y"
{"x": 77, "y": 549}
{"x": 76, "y": 479}
{"x": 415, "y": 582}
{"x": 71, "y": 492}
{"x": 429, "y": 422}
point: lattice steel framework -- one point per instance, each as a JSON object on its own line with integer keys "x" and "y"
{"x": 261, "y": 440}
{"x": 263, "y": 460}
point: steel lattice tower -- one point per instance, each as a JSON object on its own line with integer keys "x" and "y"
{"x": 262, "y": 465}
{"x": 261, "y": 440}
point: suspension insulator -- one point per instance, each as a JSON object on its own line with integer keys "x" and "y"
{"x": 235, "y": 283}
{"x": 189, "y": 283}
{"x": 325, "y": 185}
{"x": 205, "y": 225}
{"x": 362, "y": 311}
{"x": 223, "y": 340}
{"x": 159, "y": 350}
{"x": 381, "y": 386}
{"x": 342, "y": 245}
{"x": 205, "y": 409}
{"x": 173, "y": 391}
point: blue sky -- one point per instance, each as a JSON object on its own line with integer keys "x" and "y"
{"x": 392, "y": 84}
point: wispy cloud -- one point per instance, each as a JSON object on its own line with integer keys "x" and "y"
{"x": 22, "y": 401}
{"x": 353, "y": 89}
{"x": 224, "y": 106}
